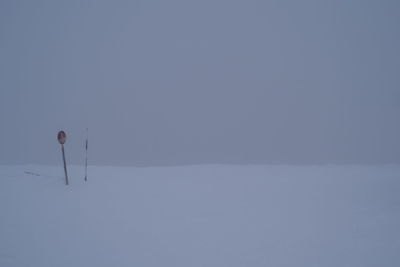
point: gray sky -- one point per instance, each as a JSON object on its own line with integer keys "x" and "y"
{"x": 211, "y": 81}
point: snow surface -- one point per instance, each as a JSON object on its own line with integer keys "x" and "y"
{"x": 200, "y": 216}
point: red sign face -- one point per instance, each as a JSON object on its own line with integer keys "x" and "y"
{"x": 62, "y": 137}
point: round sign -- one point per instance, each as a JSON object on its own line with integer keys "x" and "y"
{"x": 62, "y": 137}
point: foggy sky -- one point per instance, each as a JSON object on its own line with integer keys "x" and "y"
{"x": 193, "y": 82}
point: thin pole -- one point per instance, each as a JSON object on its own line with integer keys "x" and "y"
{"x": 87, "y": 137}
{"x": 65, "y": 164}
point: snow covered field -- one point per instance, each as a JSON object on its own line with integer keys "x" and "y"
{"x": 200, "y": 216}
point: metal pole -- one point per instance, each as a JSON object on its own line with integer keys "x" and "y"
{"x": 86, "y": 161}
{"x": 87, "y": 137}
{"x": 65, "y": 164}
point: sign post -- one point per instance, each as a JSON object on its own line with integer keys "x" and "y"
{"x": 62, "y": 137}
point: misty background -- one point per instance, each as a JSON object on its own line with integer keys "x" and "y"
{"x": 193, "y": 82}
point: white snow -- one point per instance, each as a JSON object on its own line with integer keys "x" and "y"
{"x": 200, "y": 216}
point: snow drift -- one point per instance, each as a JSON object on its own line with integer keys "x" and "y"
{"x": 200, "y": 216}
